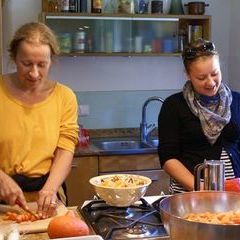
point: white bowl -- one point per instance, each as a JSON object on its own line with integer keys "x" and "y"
{"x": 120, "y": 195}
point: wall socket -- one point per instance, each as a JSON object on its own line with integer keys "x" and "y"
{"x": 84, "y": 110}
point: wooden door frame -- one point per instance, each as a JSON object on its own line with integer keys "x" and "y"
{"x": 1, "y": 38}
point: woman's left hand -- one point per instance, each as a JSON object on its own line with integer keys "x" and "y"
{"x": 47, "y": 203}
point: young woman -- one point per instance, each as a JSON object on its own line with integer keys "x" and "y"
{"x": 201, "y": 122}
{"x": 38, "y": 119}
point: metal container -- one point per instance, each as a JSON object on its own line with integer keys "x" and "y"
{"x": 174, "y": 208}
{"x": 196, "y": 8}
{"x": 213, "y": 175}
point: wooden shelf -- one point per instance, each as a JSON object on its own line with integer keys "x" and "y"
{"x": 127, "y": 26}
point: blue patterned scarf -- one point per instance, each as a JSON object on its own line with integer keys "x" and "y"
{"x": 213, "y": 112}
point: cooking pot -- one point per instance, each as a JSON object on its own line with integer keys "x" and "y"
{"x": 196, "y": 8}
{"x": 174, "y": 208}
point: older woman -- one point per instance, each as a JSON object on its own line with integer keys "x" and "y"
{"x": 38, "y": 118}
{"x": 201, "y": 122}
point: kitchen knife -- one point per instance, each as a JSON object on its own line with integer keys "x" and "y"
{"x": 26, "y": 209}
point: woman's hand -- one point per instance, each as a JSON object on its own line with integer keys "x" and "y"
{"x": 47, "y": 203}
{"x": 10, "y": 192}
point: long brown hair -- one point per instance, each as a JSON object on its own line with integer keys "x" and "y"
{"x": 198, "y": 49}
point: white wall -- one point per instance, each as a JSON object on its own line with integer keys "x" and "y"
{"x": 234, "y": 50}
{"x": 119, "y": 73}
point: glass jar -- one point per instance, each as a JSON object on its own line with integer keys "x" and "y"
{"x": 126, "y": 6}
{"x": 79, "y": 41}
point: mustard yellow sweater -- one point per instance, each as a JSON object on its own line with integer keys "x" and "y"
{"x": 29, "y": 135}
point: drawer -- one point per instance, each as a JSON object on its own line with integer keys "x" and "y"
{"x": 128, "y": 162}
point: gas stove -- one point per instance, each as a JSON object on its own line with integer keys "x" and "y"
{"x": 139, "y": 221}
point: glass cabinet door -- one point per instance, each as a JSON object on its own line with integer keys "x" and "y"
{"x": 127, "y": 35}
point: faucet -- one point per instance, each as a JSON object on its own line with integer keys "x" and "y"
{"x": 145, "y": 129}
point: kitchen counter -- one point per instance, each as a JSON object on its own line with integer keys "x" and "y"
{"x": 44, "y": 235}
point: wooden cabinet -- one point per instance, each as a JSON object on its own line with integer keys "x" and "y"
{"x": 144, "y": 164}
{"x": 125, "y": 34}
{"x": 78, "y": 187}
{"x": 1, "y": 36}
{"x": 86, "y": 167}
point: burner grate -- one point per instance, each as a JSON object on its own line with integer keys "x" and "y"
{"x": 134, "y": 222}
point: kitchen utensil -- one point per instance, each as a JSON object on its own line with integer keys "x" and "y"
{"x": 196, "y": 8}
{"x": 26, "y": 209}
{"x": 174, "y": 208}
{"x": 213, "y": 175}
{"x": 120, "y": 196}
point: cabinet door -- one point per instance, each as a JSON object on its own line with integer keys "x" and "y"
{"x": 1, "y": 2}
{"x": 78, "y": 187}
{"x": 125, "y": 35}
{"x": 128, "y": 162}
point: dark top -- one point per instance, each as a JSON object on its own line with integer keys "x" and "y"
{"x": 181, "y": 136}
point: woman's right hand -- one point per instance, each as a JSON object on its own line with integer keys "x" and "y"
{"x": 10, "y": 192}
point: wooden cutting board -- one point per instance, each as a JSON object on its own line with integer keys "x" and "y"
{"x": 30, "y": 227}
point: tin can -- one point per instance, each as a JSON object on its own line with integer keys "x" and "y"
{"x": 79, "y": 41}
{"x": 65, "y": 42}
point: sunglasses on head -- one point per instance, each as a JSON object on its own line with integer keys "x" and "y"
{"x": 190, "y": 53}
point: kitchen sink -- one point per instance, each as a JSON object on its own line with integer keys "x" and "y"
{"x": 122, "y": 145}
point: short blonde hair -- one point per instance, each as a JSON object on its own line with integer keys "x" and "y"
{"x": 34, "y": 32}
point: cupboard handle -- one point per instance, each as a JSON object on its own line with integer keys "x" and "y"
{"x": 74, "y": 165}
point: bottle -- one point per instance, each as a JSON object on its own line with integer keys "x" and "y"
{"x": 52, "y": 6}
{"x": 72, "y": 5}
{"x": 65, "y": 5}
{"x": 83, "y": 6}
{"x": 176, "y": 7}
{"x": 96, "y": 6}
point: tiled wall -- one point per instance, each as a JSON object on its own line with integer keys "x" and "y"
{"x": 119, "y": 109}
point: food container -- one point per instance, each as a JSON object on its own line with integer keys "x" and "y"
{"x": 174, "y": 208}
{"x": 196, "y": 8}
{"x": 232, "y": 185}
{"x": 120, "y": 190}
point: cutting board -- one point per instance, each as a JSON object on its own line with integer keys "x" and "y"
{"x": 30, "y": 227}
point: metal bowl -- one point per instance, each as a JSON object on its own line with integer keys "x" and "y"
{"x": 117, "y": 195}
{"x": 174, "y": 208}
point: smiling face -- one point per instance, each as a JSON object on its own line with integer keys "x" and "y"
{"x": 205, "y": 75}
{"x": 33, "y": 61}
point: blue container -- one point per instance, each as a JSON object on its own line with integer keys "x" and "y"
{"x": 168, "y": 45}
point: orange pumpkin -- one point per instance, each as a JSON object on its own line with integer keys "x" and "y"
{"x": 232, "y": 185}
{"x": 67, "y": 226}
